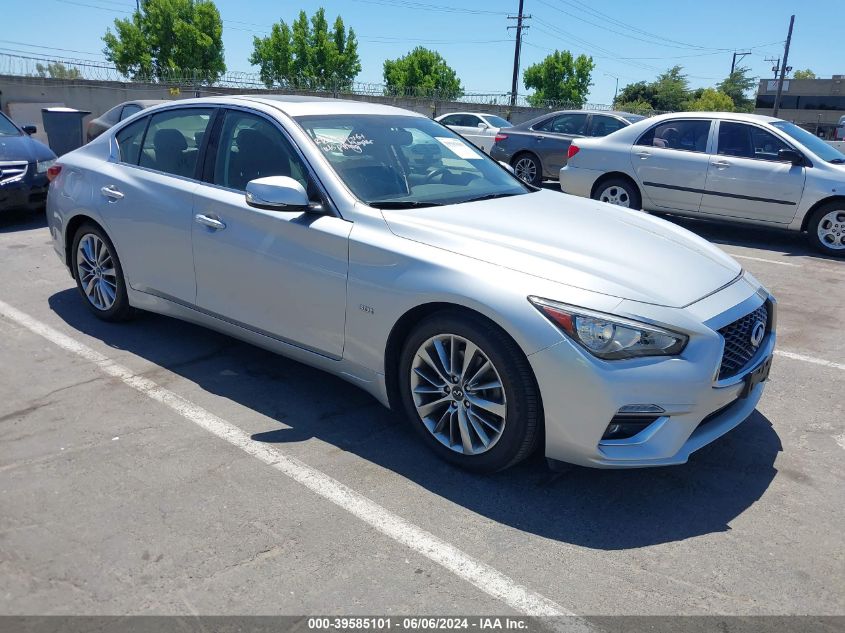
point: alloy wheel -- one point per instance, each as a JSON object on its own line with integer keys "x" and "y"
{"x": 616, "y": 195}
{"x": 525, "y": 169}
{"x": 458, "y": 394}
{"x": 831, "y": 229}
{"x": 97, "y": 274}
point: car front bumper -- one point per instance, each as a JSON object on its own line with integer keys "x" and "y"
{"x": 581, "y": 394}
{"x": 29, "y": 193}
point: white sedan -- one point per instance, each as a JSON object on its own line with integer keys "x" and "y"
{"x": 478, "y": 128}
{"x": 722, "y": 166}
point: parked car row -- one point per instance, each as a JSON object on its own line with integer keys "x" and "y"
{"x": 24, "y": 162}
{"x": 380, "y": 246}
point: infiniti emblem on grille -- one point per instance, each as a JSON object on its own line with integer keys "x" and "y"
{"x": 757, "y": 333}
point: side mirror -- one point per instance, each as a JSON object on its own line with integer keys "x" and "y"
{"x": 507, "y": 166}
{"x": 277, "y": 193}
{"x": 29, "y": 129}
{"x": 791, "y": 156}
{"x": 483, "y": 126}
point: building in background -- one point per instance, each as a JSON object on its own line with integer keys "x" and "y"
{"x": 817, "y": 105}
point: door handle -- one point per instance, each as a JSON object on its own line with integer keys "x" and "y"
{"x": 721, "y": 164}
{"x": 539, "y": 138}
{"x": 112, "y": 193}
{"x": 643, "y": 155}
{"x": 212, "y": 223}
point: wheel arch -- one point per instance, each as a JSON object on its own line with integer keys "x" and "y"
{"x": 611, "y": 175}
{"x": 528, "y": 152}
{"x": 71, "y": 227}
{"x": 809, "y": 214}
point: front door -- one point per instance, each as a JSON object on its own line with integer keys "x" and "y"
{"x": 746, "y": 180}
{"x": 670, "y": 161}
{"x": 282, "y": 274}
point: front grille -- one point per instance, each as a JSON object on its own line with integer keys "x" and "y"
{"x": 11, "y": 171}
{"x": 739, "y": 349}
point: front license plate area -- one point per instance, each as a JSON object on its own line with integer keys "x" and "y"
{"x": 755, "y": 377}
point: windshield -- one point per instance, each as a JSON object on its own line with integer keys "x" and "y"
{"x": 7, "y": 128}
{"x": 813, "y": 143}
{"x": 497, "y": 121}
{"x": 407, "y": 161}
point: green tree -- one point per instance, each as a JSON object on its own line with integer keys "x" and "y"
{"x": 422, "y": 71}
{"x": 639, "y": 92}
{"x": 671, "y": 90}
{"x": 168, "y": 36}
{"x": 57, "y": 70}
{"x": 804, "y": 74}
{"x": 711, "y": 100}
{"x": 307, "y": 53}
{"x": 637, "y": 106}
{"x": 737, "y": 85}
{"x": 559, "y": 77}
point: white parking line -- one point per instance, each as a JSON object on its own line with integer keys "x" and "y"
{"x": 484, "y": 577}
{"x": 809, "y": 359}
{"x": 768, "y": 261}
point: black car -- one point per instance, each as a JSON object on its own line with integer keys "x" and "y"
{"x": 537, "y": 149}
{"x": 118, "y": 113}
{"x": 23, "y": 167}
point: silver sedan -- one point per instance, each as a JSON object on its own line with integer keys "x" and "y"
{"x": 379, "y": 246}
{"x": 719, "y": 166}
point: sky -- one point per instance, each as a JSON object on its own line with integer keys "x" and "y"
{"x": 631, "y": 41}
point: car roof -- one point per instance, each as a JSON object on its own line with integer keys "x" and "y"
{"x": 440, "y": 116}
{"x": 734, "y": 116}
{"x": 301, "y": 105}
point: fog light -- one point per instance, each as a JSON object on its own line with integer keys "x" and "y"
{"x": 648, "y": 409}
{"x": 622, "y": 427}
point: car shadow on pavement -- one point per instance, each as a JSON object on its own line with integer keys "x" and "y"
{"x": 600, "y": 509}
{"x": 13, "y": 221}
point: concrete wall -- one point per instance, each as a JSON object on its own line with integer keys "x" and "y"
{"x": 99, "y": 96}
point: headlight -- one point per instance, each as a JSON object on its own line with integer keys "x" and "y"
{"x": 610, "y": 337}
{"x": 43, "y": 165}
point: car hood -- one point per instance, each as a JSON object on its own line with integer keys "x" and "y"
{"x": 577, "y": 242}
{"x": 24, "y": 148}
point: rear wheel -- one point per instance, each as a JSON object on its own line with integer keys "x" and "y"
{"x": 618, "y": 192}
{"x": 528, "y": 169}
{"x": 826, "y": 228}
{"x": 99, "y": 276}
{"x": 469, "y": 392}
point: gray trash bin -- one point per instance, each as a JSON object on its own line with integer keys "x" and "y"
{"x": 64, "y": 128}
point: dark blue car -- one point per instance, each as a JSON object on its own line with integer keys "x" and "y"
{"x": 23, "y": 167}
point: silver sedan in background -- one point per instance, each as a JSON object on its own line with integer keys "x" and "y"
{"x": 497, "y": 317}
{"x": 719, "y": 166}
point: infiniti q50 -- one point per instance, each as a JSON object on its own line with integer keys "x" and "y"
{"x": 378, "y": 245}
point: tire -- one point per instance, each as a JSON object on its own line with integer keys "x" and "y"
{"x": 619, "y": 192}
{"x": 511, "y": 438}
{"x": 826, "y": 228}
{"x": 108, "y": 300}
{"x": 529, "y": 165}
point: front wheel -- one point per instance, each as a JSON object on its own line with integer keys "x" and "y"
{"x": 826, "y": 229}
{"x": 469, "y": 392}
{"x": 528, "y": 169}
{"x": 99, "y": 276}
{"x": 618, "y": 192}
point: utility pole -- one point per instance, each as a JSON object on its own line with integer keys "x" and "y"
{"x": 741, "y": 57}
{"x": 775, "y": 67}
{"x": 616, "y": 90}
{"x": 517, "y": 50}
{"x": 783, "y": 66}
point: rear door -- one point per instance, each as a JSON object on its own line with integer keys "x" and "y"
{"x": 280, "y": 273}
{"x": 146, "y": 199}
{"x": 746, "y": 180}
{"x": 670, "y": 162}
{"x": 553, "y": 137}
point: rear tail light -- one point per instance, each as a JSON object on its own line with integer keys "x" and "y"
{"x": 53, "y": 172}
{"x": 573, "y": 149}
{"x": 500, "y": 137}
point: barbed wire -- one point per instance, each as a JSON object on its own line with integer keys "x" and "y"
{"x": 16, "y": 64}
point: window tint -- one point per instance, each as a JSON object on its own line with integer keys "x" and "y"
{"x": 252, "y": 147}
{"x": 465, "y": 120}
{"x": 129, "y": 110}
{"x": 748, "y": 141}
{"x": 173, "y": 139}
{"x": 450, "y": 120}
{"x": 7, "y": 128}
{"x": 129, "y": 141}
{"x": 565, "y": 124}
{"x": 604, "y": 125}
{"x": 690, "y": 136}
{"x": 497, "y": 121}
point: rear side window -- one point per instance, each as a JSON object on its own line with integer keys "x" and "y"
{"x": 251, "y": 147}
{"x": 129, "y": 110}
{"x": 689, "y": 136}
{"x": 604, "y": 125}
{"x": 565, "y": 124}
{"x": 129, "y": 141}
{"x": 173, "y": 139}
